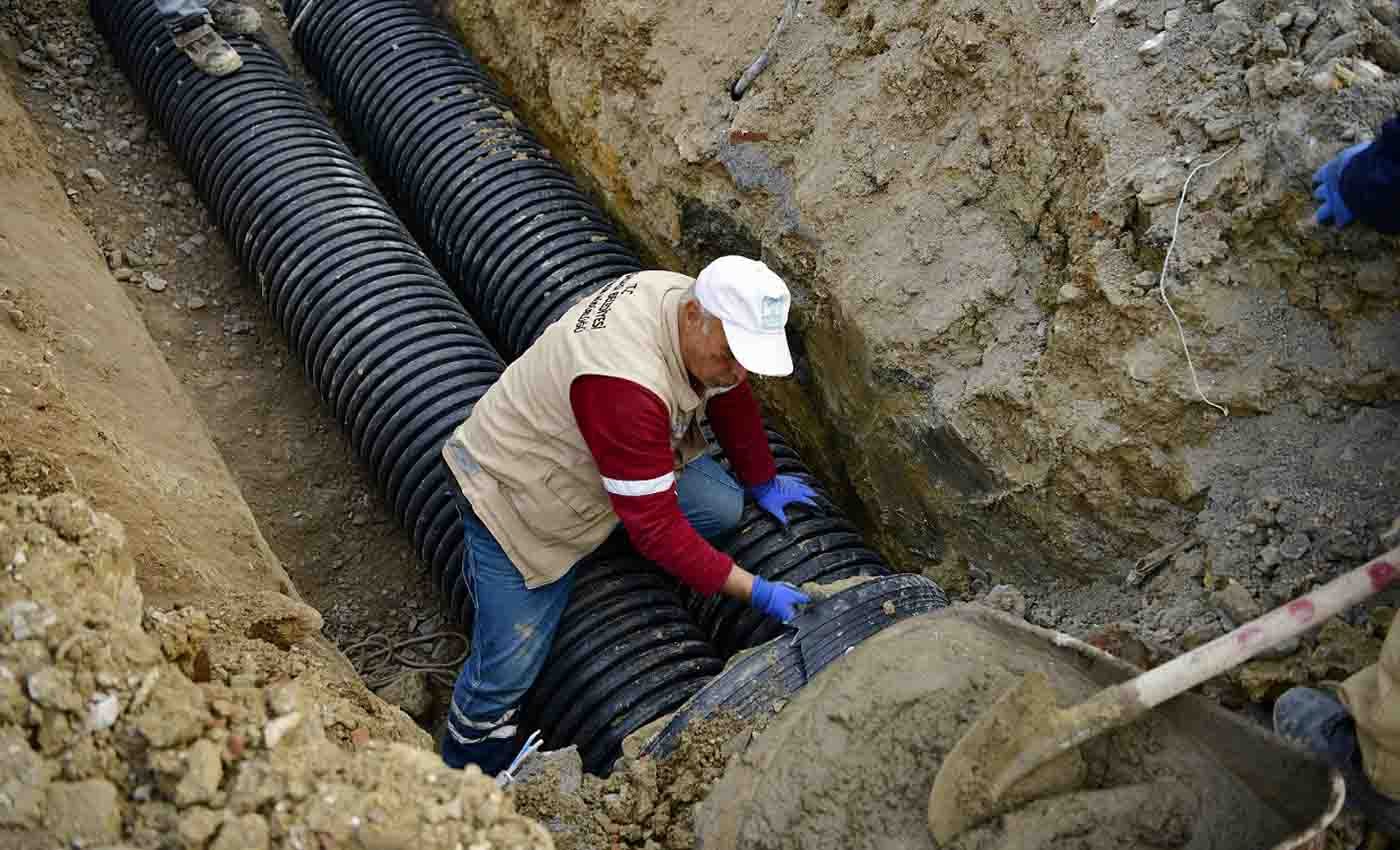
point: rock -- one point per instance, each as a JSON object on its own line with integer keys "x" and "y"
{"x": 1200, "y": 635}
{"x": 1069, "y": 293}
{"x": 1223, "y": 129}
{"x": 96, "y": 179}
{"x": 1283, "y": 20}
{"x": 278, "y": 728}
{"x": 1008, "y": 598}
{"x": 1173, "y": 17}
{"x": 1160, "y": 183}
{"x": 197, "y": 825}
{"x": 284, "y": 622}
{"x": 115, "y": 258}
{"x": 1151, "y": 49}
{"x": 54, "y": 688}
{"x": 560, "y": 770}
{"x": 154, "y": 282}
{"x": 26, "y": 619}
{"x": 24, "y": 778}
{"x": 196, "y": 303}
{"x": 1282, "y": 75}
{"x": 123, "y": 274}
{"x": 1236, "y": 603}
{"x": 203, "y": 772}
{"x": 1283, "y": 650}
{"x": 1294, "y": 546}
{"x": 1229, "y": 11}
{"x": 85, "y": 812}
{"x": 410, "y": 692}
{"x": 174, "y": 713}
{"x": 1269, "y": 558}
{"x": 184, "y": 189}
{"x": 103, "y": 711}
{"x": 248, "y": 832}
{"x": 1231, "y": 36}
{"x": 165, "y": 198}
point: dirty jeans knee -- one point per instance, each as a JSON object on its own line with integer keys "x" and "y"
{"x": 511, "y": 635}
{"x": 710, "y": 498}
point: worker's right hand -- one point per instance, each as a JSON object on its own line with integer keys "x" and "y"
{"x": 1327, "y": 188}
{"x": 777, "y": 598}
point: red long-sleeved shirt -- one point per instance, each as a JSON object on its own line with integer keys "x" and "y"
{"x": 628, "y": 430}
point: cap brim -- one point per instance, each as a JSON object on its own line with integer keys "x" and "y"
{"x": 761, "y": 354}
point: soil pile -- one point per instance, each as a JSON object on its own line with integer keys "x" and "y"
{"x": 121, "y": 727}
{"x": 850, "y": 761}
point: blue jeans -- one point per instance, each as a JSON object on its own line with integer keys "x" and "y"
{"x": 514, "y": 626}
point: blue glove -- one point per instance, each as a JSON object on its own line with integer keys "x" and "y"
{"x": 773, "y": 496}
{"x": 1327, "y": 188}
{"x": 777, "y": 598}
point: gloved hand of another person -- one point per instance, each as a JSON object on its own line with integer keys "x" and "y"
{"x": 777, "y": 598}
{"x": 1327, "y": 188}
{"x": 774, "y": 496}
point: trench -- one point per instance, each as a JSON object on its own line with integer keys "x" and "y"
{"x": 400, "y": 342}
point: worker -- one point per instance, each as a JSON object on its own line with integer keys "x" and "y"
{"x": 1355, "y": 726}
{"x": 192, "y": 24}
{"x": 1363, "y": 183}
{"x": 599, "y": 422}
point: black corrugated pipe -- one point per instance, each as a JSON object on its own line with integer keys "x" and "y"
{"x": 509, "y": 227}
{"x": 520, "y": 243}
{"x": 384, "y": 340}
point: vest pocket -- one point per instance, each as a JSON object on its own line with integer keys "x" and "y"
{"x": 578, "y": 504}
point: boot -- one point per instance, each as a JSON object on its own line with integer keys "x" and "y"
{"x": 1322, "y": 724}
{"x": 195, "y": 36}
{"x": 231, "y": 16}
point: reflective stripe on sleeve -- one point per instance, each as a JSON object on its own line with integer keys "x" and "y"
{"x": 642, "y": 487}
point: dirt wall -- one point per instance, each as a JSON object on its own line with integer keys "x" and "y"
{"x": 972, "y": 202}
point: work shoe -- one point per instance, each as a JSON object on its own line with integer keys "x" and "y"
{"x": 1321, "y": 723}
{"x": 231, "y": 16}
{"x": 195, "y": 36}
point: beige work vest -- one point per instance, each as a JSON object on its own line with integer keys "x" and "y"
{"x": 1373, "y": 696}
{"x": 520, "y": 458}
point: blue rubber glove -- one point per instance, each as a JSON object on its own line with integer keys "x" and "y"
{"x": 1327, "y": 188}
{"x": 777, "y": 598}
{"x": 774, "y": 496}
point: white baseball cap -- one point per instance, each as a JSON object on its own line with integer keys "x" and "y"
{"x": 752, "y": 302}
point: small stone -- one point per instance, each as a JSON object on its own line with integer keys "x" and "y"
{"x": 410, "y": 692}
{"x": 204, "y": 770}
{"x": 1282, "y": 650}
{"x": 103, "y": 710}
{"x": 1069, "y": 293}
{"x": 30, "y": 61}
{"x": 1229, "y": 11}
{"x": 184, "y": 189}
{"x": 278, "y": 728}
{"x": 1269, "y": 495}
{"x": 188, "y": 248}
{"x": 197, "y": 825}
{"x": 1280, "y": 76}
{"x": 1200, "y": 635}
{"x": 27, "y": 619}
{"x": 165, "y": 198}
{"x": 1223, "y": 129}
{"x": 1008, "y": 598}
{"x": 115, "y": 258}
{"x": 1236, "y": 603}
{"x": 96, "y": 178}
{"x": 1295, "y": 546}
{"x": 1173, "y": 17}
{"x": 1268, "y": 558}
{"x": 248, "y": 832}
{"x": 1149, "y": 50}
{"x": 196, "y": 303}
{"x": 85, "y": 812}
{"x": 123, "y": 274}
{"x": 154, "y": 282}
{"x": 359, "y": 737}
{"x": 139, "y": 134}
{"x": 54, "y": 50}
{"x": 1283, "y": 20}
{"x": 1231, "y": 36}
{"x": 118, "y": 146}
{"x": 54, "y": 688}
{"x": 17, "y": 318}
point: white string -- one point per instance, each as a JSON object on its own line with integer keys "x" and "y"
{"x": 1162, "y": 283}
{"x": 532, "y": 743}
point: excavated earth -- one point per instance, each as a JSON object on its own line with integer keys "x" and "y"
{"x": 972, "y": 201}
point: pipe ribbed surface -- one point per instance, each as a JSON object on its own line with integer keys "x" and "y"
{"x": 508, "y": 226}
{"x": 387, "y": 345}
{"x": 519, "y": 242}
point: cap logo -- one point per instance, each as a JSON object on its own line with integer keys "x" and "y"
{"x": 770, "y": 312}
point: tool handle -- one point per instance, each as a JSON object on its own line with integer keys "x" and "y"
{"x": 1186, "y": 671}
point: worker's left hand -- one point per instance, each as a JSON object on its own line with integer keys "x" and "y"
{"x": 1327, "y": 188}
{"x": 774, "y": 496}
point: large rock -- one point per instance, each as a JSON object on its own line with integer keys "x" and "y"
{"x": 972, "y": 202}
